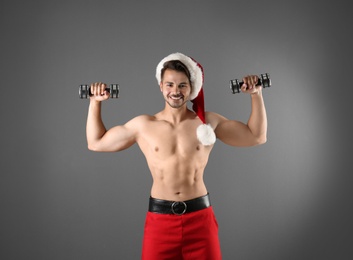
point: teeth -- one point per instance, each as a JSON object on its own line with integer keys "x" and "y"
{"x": 176, "y": 98}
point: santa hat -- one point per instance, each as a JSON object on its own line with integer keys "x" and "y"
{"x": 204, "y": 132}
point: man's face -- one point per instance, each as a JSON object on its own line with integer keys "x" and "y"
{"x": 175, "y": 87}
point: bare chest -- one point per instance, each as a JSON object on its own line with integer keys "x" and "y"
{"x": 164, "y": 140}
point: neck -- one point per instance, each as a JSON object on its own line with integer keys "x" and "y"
{"x": 175, "y": 115}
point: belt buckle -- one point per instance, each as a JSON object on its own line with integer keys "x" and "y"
{"x": 177, "y": 204}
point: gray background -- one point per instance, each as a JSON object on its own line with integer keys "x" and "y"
{"x": 287, "y": 199}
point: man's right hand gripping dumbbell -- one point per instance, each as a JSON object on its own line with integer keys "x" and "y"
{"x": 98, "y": 91}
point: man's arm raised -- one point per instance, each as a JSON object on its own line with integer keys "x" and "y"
{"x": 98, "y": 138}
{"x": 236, "y": 133}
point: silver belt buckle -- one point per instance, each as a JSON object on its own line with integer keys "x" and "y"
{"x": 177, "y": 204}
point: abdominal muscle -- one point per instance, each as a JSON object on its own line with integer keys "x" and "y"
{"x": 177, "y": 179}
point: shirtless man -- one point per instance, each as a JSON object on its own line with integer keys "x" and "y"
{"x": 180, "y": 223}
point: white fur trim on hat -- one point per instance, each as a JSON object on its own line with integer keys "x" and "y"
{"x": 195, "y": 71}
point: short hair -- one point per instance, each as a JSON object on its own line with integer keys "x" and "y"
{"x": 176, "y": 65}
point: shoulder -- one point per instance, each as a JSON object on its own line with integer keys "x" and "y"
{"x": 214, "y": 119}
{"x": 141, "y": 119}
{"x": 138, "y": 123}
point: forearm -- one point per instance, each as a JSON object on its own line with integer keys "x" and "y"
{"x": 95, "y": 128}
{"x": 258, "y": 119}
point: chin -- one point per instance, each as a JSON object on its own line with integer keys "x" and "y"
{"x": 176, "y": 105}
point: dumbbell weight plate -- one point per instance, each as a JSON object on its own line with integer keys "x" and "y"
{"x": 114, "y": 90}
{"x": 83, "y": 91}
{"x": 266, "y": 80}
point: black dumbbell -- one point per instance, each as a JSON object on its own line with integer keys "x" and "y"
{"x": 85, "y": 92}
{"x": 264, "y": 80}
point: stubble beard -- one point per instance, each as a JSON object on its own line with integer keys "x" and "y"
{"x": 177, "y": 103}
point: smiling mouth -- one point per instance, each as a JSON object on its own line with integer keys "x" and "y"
{"x": 176, "y": 97}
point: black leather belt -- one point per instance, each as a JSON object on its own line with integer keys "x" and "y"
{"x": 178, "y": 207}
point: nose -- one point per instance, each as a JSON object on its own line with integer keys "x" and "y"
{"x": 175, "y": 90}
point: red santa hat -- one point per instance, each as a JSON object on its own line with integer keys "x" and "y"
{"x": 204, "y": 132}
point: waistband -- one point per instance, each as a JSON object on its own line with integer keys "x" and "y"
{"x": 178, "y": 207}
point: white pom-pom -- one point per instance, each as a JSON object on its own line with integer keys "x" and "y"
{"x": 205, "y": 134}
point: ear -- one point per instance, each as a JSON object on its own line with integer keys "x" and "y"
{"x": 161, "y": 86}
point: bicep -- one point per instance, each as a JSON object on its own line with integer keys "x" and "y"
{"x": 232, "y": 132}
{"x": 117, "y": 138}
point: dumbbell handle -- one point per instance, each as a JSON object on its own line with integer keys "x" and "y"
{"x": 259, "y": 83}
{"x": 263, "y": 80}
{"x": 90, "y": 92}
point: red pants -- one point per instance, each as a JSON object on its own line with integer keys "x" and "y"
{"x": 190, "y": 236}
